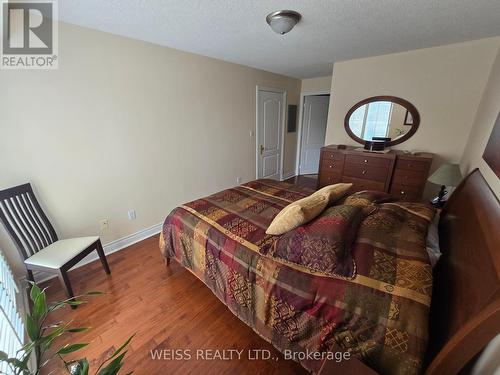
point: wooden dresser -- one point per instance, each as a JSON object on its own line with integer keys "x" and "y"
{"x": 397, "y": 172}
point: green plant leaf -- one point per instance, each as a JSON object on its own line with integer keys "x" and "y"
{"x": 114, "y": 366}
{"x": 17, "y": 363}
{"x": 71, "y": 301}
{"x": 78, "y": 329}
{"x": 53, "y": 325}
{"x": 46, "y": 341}
{"x": 25, "y": 359}
{"x": 3, "y": 356}
{"x": 32, "y": 328}
{"x": 40, "y": 305}
{"x": 123, "y": 346}
{"x": 27, "y": 347}
{"x": 94, "y": 293}
{"x": 60, "y": 304}
{"x": 116, "y": 352}
{"x": 35, "y": 291}
{"x": 70, "y": 348}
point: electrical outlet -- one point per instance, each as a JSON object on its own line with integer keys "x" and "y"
{"x": 238, "y": 180}
{"x": 104, "y": 225}
{"x": 131, "y": 214}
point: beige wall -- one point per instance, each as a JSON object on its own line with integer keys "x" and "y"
{"x": 125, "y": 124}
{"x": 316, "y": 84}
{"x": 444, "y": 83}
{"x": 487, "y": 113}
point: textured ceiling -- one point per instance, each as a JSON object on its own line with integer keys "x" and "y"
{"x": 330, "y": 30}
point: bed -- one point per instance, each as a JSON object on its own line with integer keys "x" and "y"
{"x": 374, "y": 303}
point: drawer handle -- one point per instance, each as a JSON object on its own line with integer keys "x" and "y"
{"x": 332, "y": 156}
{"x": 363, "y": 172}
{"x": 366, "y": 161}
{"x": 331, "y": 165}
{"x": 402, "y": 192}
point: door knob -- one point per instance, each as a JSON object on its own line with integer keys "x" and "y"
{"x": 261, "y": 149}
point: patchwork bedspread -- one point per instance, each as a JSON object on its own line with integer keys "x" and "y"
{"x": 377, "y": 308}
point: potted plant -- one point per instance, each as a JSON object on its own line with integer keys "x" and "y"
{"x": 42, "y": 337}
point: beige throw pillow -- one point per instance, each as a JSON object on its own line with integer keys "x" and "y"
{"x": 334, "y": 192}
{"x": 297, "y": 213}
{"x": 306, "y": 209}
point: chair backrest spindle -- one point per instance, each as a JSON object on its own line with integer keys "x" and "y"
{"x": 25, "y": 221}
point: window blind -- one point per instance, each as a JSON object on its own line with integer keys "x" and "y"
{"x": 11, "y": 324}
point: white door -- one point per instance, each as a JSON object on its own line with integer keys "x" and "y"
{"x": 313, "y": 132}
{"x": 269, "y": 133}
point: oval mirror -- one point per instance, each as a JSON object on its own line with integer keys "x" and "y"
{"x": 382, "y": 117}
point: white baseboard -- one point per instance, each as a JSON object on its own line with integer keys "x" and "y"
{"x": 131, "y": 239}
{"x": 109, "y": 248}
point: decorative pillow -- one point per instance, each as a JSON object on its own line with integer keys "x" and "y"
{"x": 323, "y": 245}
{"x": 297, "y": 213}
{"x": 333, "y": 192}
{"x": 367, "y": 198}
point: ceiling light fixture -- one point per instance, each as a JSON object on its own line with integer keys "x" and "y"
{"x": 283, "y": 21}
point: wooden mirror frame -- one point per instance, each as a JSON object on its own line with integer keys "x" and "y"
{"x": 394, "y": 99}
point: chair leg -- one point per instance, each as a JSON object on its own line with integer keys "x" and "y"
{"x": 30, "y": 276}
{"x": 28, "y": 289}
{"x": 102, "y": 256}
{"x": 167, "y": 261}
{"x": 63, "y": 278}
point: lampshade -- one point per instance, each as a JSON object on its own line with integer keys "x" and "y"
{"x": 283, "y": 21}
{"x": 447, "y": 174}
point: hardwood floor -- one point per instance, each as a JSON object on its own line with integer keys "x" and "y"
{"x": 167, "y": 308}
{"x": 308, "y": 180}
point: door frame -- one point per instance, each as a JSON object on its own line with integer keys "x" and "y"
{"x": 301, "y": 120}
{"x": 283, "y": 125}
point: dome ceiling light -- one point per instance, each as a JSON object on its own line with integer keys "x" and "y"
{"x": 283, "y": 21}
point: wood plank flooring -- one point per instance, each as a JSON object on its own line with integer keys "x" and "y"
{"x": 308, "y": 180}
{"x": 167, "y": 308}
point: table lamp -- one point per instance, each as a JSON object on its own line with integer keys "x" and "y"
{"x": 447, "y": 174}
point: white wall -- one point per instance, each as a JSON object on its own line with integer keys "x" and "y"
{"x": 126, "y": 124}
{"x": 316, "y": 84}
{"x": 444, "y": 83}
{"x": 487, "y": 113}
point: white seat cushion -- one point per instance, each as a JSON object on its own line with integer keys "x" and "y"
{"x": 60, "y": 252}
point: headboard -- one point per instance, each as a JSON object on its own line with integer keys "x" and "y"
{"x": 465, "y": 309}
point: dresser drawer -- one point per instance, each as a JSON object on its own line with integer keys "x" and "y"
{"x": 405, "y": 193}
{"x": 409, "y": 177}
{"x": 362, "y": 184}
{"x": 330, "y": 165}
{"x": 368, "y": 160}
{"x": 366, "y": 172}
{"x": 413, "y": 165}
{"x": 332, "y": 155}
{"x": 329, "y": 178}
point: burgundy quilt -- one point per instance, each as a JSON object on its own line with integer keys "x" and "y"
{"x": 355, "y": 280}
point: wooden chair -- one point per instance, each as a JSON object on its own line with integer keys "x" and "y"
{"x": 37, "y": 241}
